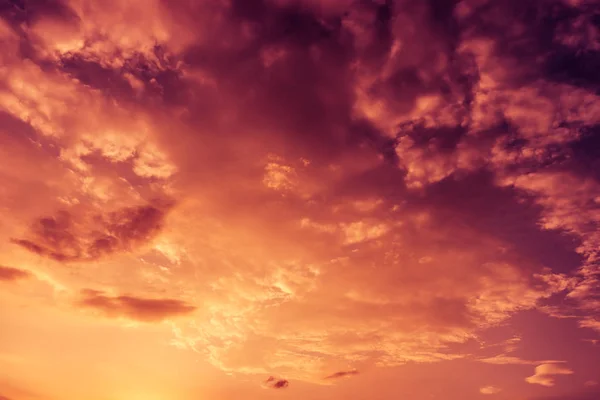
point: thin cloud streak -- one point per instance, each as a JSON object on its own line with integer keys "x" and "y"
{"x": 137, "y": 308}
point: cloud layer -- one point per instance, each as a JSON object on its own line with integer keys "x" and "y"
{"x": 308, "y": 186}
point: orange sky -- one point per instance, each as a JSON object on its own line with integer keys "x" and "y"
{"x": 299, "y": 199}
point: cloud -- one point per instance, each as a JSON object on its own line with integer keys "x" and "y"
{"x": 402, "y": 199}
{"x": 544, "y": 374}
{"x": 65, "y": 239}
{"x": 502, "y": 359}
{"x": 590, "y": 322}
{"x": 342, "y": 374}
{"x": 136, "y": 308}
{"x": 489, "y": 390}
{"x": 9, "y": 274}
{"x": 506, "y": 360}
{"x": 276, "y": 383}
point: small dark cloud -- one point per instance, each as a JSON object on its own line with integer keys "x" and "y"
{"x": 342, "y": 374}
{"x": 60, "y": 238}
{"x": 276, "y": 383}
{"x": 137, "y": 308}
{"x": 9, "y": 274}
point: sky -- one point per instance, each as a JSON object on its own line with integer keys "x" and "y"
{"x": 299, "y": 199}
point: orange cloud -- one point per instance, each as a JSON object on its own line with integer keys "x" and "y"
{"x": 503, "y": 360}
{"x": 489, "y": 390}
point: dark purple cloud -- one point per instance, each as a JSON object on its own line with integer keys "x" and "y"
{"x": 342, "y": 374}
{"x": 276, "y": 383}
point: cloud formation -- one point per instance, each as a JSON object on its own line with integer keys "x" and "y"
{"x": 9, "y": 274}
{"x": 136, "y": 308}
{"x": 63, "y": 238}
{"x": 544, "y": 374}
{"x": 349, "y": 182}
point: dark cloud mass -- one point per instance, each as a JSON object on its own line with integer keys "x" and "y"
{"x": 63, "y": 238}
{"x": 137, "y": 308}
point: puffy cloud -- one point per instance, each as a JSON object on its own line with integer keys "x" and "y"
{"x": 9, "y": 274}
{"x": 136, "y": 308}
{"x": 544, "y": 374}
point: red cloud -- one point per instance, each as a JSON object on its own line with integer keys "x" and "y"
{"x": 10, "y": 274}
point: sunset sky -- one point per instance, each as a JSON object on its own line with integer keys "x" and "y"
{"x": 299, "y": 199}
